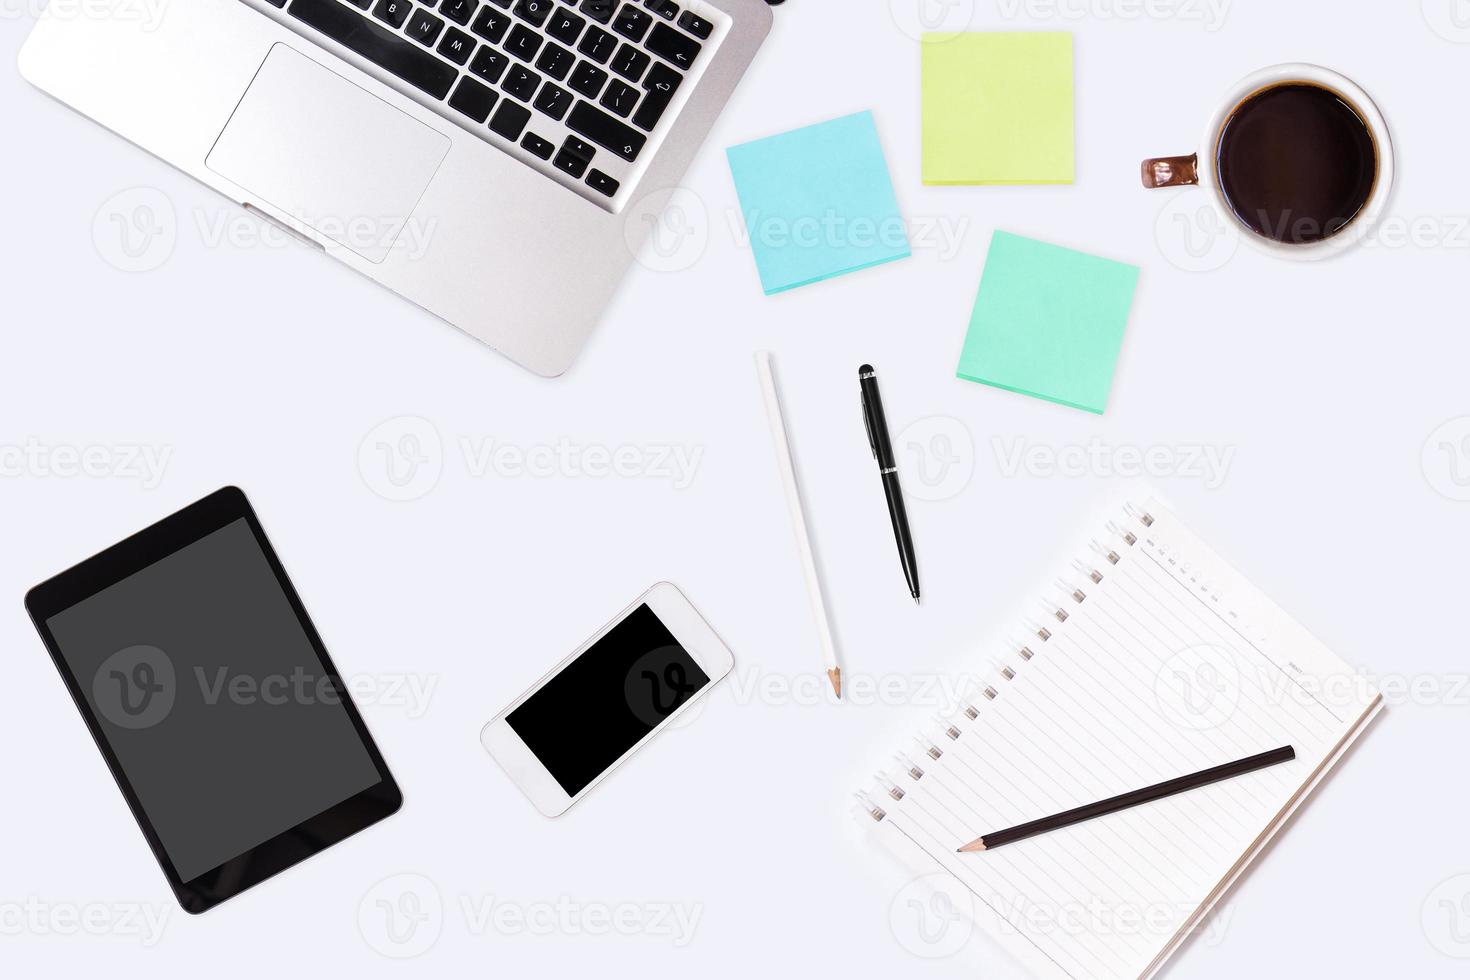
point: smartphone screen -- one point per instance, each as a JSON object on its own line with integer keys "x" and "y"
{"x": 607, "y": 700}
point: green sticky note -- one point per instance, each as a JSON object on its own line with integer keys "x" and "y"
{"x": 818, "y": 202}
{"x": 998, "y": 108}
{"x": 1048, "y": 322}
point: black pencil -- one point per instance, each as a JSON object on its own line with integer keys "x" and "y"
{"x": 1139, "y": 796}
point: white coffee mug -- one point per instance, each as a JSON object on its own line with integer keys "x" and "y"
{"x": 1202, "y": 168}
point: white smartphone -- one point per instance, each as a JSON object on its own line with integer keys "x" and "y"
{"x": 613, "y": 694}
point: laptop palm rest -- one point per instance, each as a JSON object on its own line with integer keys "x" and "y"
{"x": 328, "y": 154}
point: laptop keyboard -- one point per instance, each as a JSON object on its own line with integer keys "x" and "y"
{"x": 577, "y": 89}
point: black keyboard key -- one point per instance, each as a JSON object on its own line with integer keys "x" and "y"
{"x": 678, "y": 49}
{"x": 503, "y": 4}
{"x": 565, "y": 26}
{"x": 663, "y": 79}
{"x": 571, "y": 162}
{"x": 584, "y": 150}
{"x": 697, "y": 26}
{"x": 661, "y": 84}
{"x": 459, "y": 11}
{"x": 553, "y": 101}
{"x": 473, "y": 99}
{"x": 556, "y": 61}
{"x": 632, "y": 23}
{"x": 601, "y": 182}
{"x": 522, "y": 83}
{"x": 533, "y": 11}
{"x": 510, "y": 119}
{"x": 598, "y": 45}
{"x": 630, "y": 62}
{"x": 457, "y": 46}
{"x": 491, "y": 25}
{"x": 588, "y": 79}
{"x": 620, "y": 99}
{"x": 667, "y": 9}
{"x": 489, "y": 64}
{"x": 599, "y": 10}
{"x": 424, "y": 27}
{"x": 391, "y": 12}
{"x": 414, "y": 65}
{"x": 537, "y": 146}
{"x": 523, "y": 42}
{"x": 655, "y": 104}
{"x": 606, "y": 131}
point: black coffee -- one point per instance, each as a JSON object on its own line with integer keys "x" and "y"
{"x": 1296, "y": 163}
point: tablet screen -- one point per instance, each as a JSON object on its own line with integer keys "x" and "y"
{"x": 210, "y": 694}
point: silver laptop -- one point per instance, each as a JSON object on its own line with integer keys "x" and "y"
{"x": 530, "y": 143}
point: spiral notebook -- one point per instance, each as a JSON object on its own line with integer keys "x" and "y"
{"x": 1152, "y": 658}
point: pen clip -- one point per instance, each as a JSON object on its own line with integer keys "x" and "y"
{"x": 868, "y": 422}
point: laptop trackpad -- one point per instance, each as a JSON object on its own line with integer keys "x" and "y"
{"x": 328, "y": 153}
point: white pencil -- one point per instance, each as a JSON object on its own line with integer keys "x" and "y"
{"x": 787, "y": 465}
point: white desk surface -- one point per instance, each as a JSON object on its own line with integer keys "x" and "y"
{"x": 270, "y": 367}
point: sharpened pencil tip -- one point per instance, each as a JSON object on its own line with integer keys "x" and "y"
{"x": 835, "y": 676}
{"x": 917, "y": 602}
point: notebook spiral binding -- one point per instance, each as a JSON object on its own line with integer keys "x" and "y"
{"x": 1116, "y": 543}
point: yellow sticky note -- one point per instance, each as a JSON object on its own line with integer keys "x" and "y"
{"x": 998, "y": 108}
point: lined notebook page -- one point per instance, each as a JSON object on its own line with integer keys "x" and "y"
{"x": 1158, "y": 662}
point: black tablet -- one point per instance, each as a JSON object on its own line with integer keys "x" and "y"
{"x": 213, "y": 700}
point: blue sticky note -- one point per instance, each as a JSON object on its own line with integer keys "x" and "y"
{"x": 818, "y": 202}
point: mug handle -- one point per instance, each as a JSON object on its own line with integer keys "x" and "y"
{"x": 1171, "y": 171}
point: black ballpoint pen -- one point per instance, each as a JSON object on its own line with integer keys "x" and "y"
{"x": 877, "y": 424}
